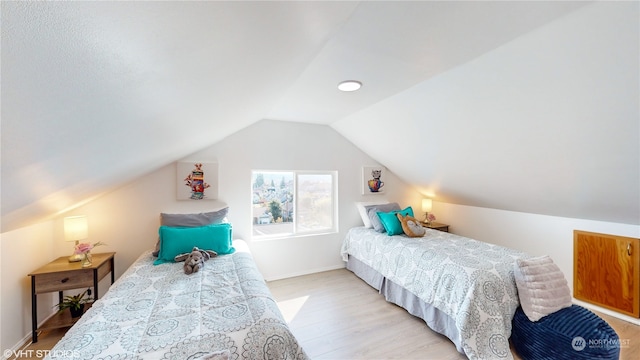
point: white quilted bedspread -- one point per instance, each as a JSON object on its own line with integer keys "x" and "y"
{"x": 469, "y": 280}
{"x": 158, "y": 312}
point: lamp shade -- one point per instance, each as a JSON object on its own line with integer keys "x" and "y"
{"x": 75, "y": 228}
{"x": 426, "y": 205}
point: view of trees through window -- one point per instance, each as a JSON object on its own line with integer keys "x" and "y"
{"x": 289, "y": 202}
{"x": 272, "y": 203}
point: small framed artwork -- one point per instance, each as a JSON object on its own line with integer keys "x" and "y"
{"x": 197, "y": 180}
{"x": 373, "y": 180}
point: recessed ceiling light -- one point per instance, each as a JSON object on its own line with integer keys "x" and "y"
{"x": 350, "y": 85}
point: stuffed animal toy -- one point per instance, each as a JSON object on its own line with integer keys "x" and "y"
{"x": 411, "y": 226}
{"x": 194, "y": 260}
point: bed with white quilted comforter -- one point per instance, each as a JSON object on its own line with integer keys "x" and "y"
{"x": 462, "y": 282}
{"x": 224, "y": 311}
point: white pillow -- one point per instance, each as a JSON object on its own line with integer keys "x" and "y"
{"x": 363, "y": 212}
{"x": 542, "y": 288}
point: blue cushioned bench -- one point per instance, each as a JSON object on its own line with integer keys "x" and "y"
{"x": 571, "y": 333}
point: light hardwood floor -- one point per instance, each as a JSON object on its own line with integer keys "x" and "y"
{"x": 337, "y": 316}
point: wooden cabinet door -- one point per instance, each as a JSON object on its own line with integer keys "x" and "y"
{"x": 606, "y": 271}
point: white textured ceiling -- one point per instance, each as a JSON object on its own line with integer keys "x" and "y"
{"x": 95, "y": 94}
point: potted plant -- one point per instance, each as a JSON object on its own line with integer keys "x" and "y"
{"x": 75, "y": 304}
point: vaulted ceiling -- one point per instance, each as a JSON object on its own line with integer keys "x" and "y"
{"x": 95, "y": 94}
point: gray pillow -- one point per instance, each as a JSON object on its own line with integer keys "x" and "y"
{"x": 542, "y": 287}
{"x": 191, "y": 220}
{"x": 373, "y": 216}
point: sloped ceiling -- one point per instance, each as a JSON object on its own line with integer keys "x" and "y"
{"x": 95, "y": 94}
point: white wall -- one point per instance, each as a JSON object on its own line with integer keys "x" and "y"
{"x": 275, "y": 145}
{"x": 1, "y": 339}
{"x": 534, "y": 234}
{"x": 21, "y": 252}
{"x": 128, "y": 218}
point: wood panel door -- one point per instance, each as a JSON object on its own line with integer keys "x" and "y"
{"x": 606, "y": 271}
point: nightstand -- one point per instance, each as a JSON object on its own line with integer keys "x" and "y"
{"x": 436, "y": 226}
{"x": 60, "y": 275}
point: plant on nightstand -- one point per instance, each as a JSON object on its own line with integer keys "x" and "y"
{"x": 75, "y": 304}
{"x": 430, "y": 218}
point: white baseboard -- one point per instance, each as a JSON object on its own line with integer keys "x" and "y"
{"x": 307, "y": 272}
{"x": 22, "y": 343}
{"x": 612, "y": 313}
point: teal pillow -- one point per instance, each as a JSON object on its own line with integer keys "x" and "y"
{"x": 178, "y": 240}
{"x": 390, "y": 221}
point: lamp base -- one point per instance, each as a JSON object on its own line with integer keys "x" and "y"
{"x": 426, "y": 219}
{"x": 75, "y": 258}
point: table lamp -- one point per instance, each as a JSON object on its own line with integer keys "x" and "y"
{"x": 75, "y": 229}
{"x": 426, "y": 208}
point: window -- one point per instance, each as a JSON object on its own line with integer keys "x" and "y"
{"x": 289, "y": 203}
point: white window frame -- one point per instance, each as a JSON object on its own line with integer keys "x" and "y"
{"x": 297, "y": 232}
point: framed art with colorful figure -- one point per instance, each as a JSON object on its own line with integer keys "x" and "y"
{"x": 197, "y": 180}
{"x": 373, "y": 180}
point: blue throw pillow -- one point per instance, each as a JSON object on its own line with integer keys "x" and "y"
{"x": 176, "y": 240}
{"x": 191, "y": 220}
{"x": 390, "y": 221}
